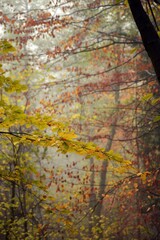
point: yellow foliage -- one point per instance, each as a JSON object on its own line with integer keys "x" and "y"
{"x": 143, "y": 176}
{"x": 6, "y": 47}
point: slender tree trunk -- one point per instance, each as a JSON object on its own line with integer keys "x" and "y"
{"x": 150, "y": 38}
{"x": 103, "y": 174}
{"x": 13, "y": 189}
{"x": 140, "y": 169}
{"x": 25, "y": 214}
{"x": 92, "y": 199}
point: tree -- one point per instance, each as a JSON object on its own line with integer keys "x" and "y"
{"x": 25, "y": 200}
{"x": 66, "y": 59}
{"x": 148, "y": 32}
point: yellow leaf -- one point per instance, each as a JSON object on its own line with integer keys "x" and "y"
{"x": 68, "y": 136}
{"x": 29, "y": 186}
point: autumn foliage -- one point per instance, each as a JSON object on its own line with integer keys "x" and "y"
{"x": 79, "y": 123}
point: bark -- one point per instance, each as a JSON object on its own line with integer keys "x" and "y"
{"x": 150, "y": 38}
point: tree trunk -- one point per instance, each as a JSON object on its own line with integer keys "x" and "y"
{"x": 103, "y": 174}
{"x": 92, "y": 199}
{"x": 150, "y": 38}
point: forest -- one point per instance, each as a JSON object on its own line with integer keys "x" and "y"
{"x": 79, "y": 120}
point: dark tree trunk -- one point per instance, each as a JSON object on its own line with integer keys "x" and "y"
{"x": 150, "y": 38}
